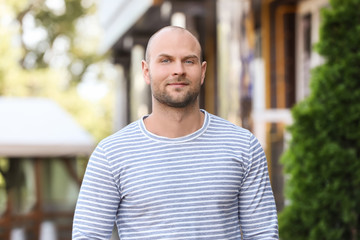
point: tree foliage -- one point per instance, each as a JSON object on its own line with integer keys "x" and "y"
{"x": 46, "y": 51}
{"x": 58, "y": 25}
{"x": 322, "y": 163}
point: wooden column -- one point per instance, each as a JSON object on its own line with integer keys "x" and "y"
{"x": 210, "y": 44}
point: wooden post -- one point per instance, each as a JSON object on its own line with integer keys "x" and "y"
{"x": 38, "y": 209}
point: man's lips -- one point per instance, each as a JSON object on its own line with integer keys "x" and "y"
{"x": 178, "y": 84}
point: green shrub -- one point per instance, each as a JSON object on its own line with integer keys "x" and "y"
{"x": 322, "y": 163}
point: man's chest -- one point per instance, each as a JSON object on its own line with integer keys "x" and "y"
{"x": 186, "y": 177}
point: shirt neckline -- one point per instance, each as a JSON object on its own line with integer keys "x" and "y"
{"x": 185, "y": 138}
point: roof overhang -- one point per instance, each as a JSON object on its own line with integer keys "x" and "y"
{"x": 38, "y": 127}
{"x": 117, "y": 17}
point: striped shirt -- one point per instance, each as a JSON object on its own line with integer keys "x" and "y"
{"x": 211, "y": 184}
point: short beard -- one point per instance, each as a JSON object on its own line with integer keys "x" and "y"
{"x": 189, "y": 99}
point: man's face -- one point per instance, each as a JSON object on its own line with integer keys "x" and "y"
{"x": 174, "y": 70}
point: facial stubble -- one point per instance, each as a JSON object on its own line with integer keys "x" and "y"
{"x": 165, "y": 97}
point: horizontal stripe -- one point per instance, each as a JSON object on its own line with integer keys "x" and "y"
{"x": 211, "y": 184}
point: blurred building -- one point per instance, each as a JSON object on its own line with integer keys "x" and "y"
{"x": 39, "y": 184}
{"x": 259, "y": 55}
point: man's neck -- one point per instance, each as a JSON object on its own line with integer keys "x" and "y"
{"x": 174, "y": 122}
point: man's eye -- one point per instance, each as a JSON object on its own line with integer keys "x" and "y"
{"x": 189, "y": 61}
{"x": 165, "y": 60}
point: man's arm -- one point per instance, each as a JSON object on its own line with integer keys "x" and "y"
{"x": 257, "y": 210}
{"x": 98, "y": 200}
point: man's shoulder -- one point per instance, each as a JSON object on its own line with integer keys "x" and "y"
{"x": 123, "y": 135}
{"x": 222, "y": 124}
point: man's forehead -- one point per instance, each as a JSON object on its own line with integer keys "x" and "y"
{"x": 166, "y": 42}
{"x": 174, "y": 34}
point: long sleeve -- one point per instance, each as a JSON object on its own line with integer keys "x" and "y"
{"x": 257, "y": 210}
{"x": 98, "y": 200}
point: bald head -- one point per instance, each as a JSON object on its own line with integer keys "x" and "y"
{"x": 166, "y": 30}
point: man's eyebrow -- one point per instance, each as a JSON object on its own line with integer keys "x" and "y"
{"x": 191, "y": 56}
{"x": 163, "y": 55}
{"x": 169, "y": 56}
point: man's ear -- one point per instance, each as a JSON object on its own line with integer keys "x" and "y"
{"x": 203, "y": 71}
{"x": 145, "y": 71}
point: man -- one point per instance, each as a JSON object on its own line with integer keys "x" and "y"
{"x": 180, "y": 172}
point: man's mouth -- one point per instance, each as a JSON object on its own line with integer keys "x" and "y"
{"x": 178, "y": 83}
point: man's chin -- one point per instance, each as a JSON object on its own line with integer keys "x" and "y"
{"x": 179, "y": 104}
{"x": 177, "y": 100}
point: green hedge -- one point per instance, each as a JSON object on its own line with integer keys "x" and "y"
{"x": 322, "y": 163}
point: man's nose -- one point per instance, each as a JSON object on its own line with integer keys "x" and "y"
{"x": 179, "y": 69}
